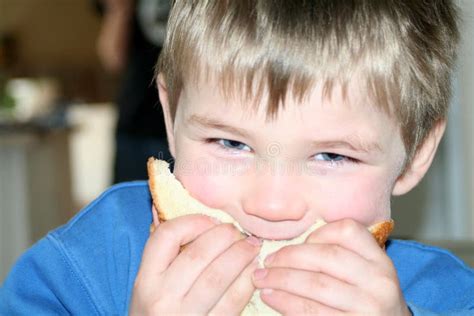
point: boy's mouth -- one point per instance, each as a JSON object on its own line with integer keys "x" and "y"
{"x": 285, "y": 230}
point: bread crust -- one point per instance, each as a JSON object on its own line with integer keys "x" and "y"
{"x": 381, "y": 231}
{"x": 152, "y": 174}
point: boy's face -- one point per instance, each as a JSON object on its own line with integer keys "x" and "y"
{"x": 323, "y": 158}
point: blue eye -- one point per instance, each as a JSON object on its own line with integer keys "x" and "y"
{"x": 232, "y": 144}
{"x": 330, "y": 157}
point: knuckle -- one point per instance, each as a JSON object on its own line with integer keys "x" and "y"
{"x": 195, "y": 253}
{"x": 308, "y": 308}
{"x": 331, "y": 251}
{"x": 349, "y": 228}
{"x": 385, "y": 272}
{"x": 379, "y": 271}
{"x": 319, "y": 283}
{"x": 391, "y": 287}
{"x": 166, "y": 231}
{"x": 214, "y": 280}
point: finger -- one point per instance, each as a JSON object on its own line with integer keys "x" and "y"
{"x": 314, "y": 286}
{"x": 194, "y": 259}
{"x": 324, "y": 258}
{"x": 156, "y": 220}
{"x": 289, "y": 304}
{"x": 164, "y": 244}
{"x": 238, "y": 295}
{"x": 222, "y": 272}
{"x": 348, "y": 234}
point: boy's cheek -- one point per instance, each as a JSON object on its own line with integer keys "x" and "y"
{"x": 363, "y": 200}
{"x": 206, "y": 188}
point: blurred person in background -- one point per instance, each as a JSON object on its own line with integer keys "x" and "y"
{"x": 129, "y": 44}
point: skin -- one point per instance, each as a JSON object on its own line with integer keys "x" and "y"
{"x": 114, "y": 35}
{"x": 332, "y": 158}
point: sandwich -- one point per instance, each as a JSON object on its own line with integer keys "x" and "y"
{"x": 172, "y": 200}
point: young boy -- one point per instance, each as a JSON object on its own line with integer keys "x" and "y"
{"x": 280, "y": 113}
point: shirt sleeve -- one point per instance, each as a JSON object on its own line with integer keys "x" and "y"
{"x": 418, "y": 311}
{"x": 43, "y": 282}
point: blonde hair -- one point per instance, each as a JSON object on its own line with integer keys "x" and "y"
{"x": 403, "y": 51}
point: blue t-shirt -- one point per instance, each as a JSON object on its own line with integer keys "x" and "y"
{"x": 88, "y": 266}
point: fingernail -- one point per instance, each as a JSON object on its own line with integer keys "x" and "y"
{"x": 267, "y": 291}
{"x": 254, "y": 241}
{"x": 269, "y": 259}
{"x": 260, "y": 274}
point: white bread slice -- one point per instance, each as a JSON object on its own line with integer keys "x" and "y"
{"x": 171, "y": 200}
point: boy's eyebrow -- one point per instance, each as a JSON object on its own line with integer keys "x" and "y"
{"x": 208, "y": 122}
{"x": 352, "y": 143}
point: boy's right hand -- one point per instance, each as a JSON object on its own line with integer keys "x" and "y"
{"x": 211, "y": 275}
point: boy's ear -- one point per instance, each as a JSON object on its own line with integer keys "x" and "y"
{"x": 163, "y": 94}
{"x": 421, "y": 162}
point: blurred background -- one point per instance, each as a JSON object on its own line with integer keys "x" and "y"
{"x": 60, "y": 127}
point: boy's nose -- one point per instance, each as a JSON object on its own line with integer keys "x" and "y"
{"x": 275, "y": 198}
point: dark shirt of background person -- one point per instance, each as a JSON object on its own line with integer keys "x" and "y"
{"x": 129, "y": 44}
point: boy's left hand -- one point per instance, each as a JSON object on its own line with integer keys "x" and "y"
{"x": 340, "y": 269}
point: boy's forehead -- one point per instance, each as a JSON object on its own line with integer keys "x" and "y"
{"x": 239, "y": 100}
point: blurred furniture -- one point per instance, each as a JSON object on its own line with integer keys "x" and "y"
{"x": 92, "y": 149}
{"x": 35, "y": 189}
